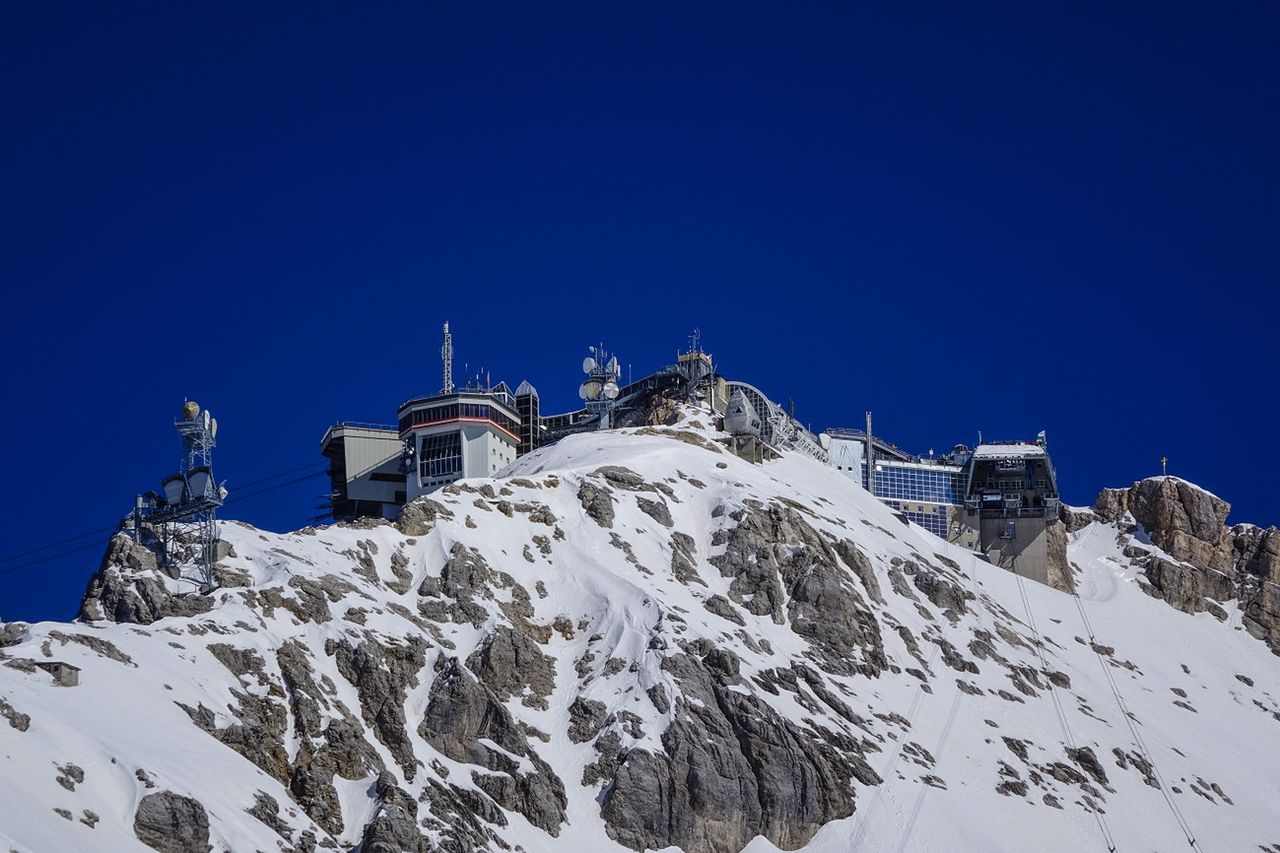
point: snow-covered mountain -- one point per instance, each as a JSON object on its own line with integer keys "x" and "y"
{"x": 636, "y": 640}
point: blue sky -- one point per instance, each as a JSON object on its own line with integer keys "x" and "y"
{"x": 969, "y": 218}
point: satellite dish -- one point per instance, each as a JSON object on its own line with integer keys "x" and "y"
{"x": 610, "y": 390}
{"x": 205, "y": 416}
{"x": 582, "y": 391}
{"x": 588, "y": 364}
{"x": 190, "y": 409}
{"x": 213, "y": 427}
{"x": 592, "y": 389}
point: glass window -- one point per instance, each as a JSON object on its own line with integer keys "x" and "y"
{"x": 441, "y": 455}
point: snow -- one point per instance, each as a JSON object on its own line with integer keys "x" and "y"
{"x": 125, "y": 717}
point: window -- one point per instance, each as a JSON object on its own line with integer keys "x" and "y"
{"x": 441, "y": 455}
{"x": 918, "y": 484}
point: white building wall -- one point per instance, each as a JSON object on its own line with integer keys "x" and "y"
{"x": 367, "y": 451}
{"x": 485, "y": 451}
{"x": 848, "y": 456}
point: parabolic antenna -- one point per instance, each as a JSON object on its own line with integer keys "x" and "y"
{"x": 610, "y": 390}
{"x": 592, "y": 389}
{"x": 190, "y": 409}
{"x": 588, "y": 365}
{"x": 207, "y": 418}
{"x": 582, "y": 391}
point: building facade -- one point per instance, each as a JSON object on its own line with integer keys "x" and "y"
{"x": 448, "y": 437}
{"x": 999, "y": 500}
{"x": 365, "y": 476}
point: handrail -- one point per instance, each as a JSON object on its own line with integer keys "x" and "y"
{"x": 366, "y": 425}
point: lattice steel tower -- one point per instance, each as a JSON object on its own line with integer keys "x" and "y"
{"x": 446, "y": 356}
{"x": 185, "y": 515}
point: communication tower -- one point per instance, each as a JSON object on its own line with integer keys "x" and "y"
{"x": 446, "y": 356}
{"x": 184, "y": 515}
{"x": 600, "y": 389}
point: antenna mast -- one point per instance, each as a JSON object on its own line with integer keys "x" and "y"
{"x": 185, "y": 516}
{"x": 446, "y": 355}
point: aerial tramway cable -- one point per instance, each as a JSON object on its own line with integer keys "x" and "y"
{"x": 1057, "y": 704}
{"x": 95, "y": 544}
{"x": 1129, "y": 720}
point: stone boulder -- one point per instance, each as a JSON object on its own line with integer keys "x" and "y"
{"x": 171, "y": 823}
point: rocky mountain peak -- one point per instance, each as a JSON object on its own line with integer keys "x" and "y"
{"x": 634, "y": 640}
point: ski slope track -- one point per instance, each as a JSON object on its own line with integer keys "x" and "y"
{"x": 635, "y": 640}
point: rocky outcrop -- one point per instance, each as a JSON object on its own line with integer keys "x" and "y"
{"x": 511, "y": 664}
{"x": 1211, "y": 562}
{"x": 17, "y": 719}
{"x": 338, "y": 749}
{"x": 461, "y": 713}
{"x": 782, "y": 568}
{"x": 171, "y": 823}
{"x": 12, "y": 633}
{"x": 393, "y": 828}
{"x": 129, "y": 587}
{"x": 731, "y": 768}
{"x": 381, "y": 675}
{"x": 1058, "y": 570}
{"x": 1075, "y": 518}
{"x": 597, "y": 502}
{"x": 419, "y": 516}
{"x": 1182, "y": 519}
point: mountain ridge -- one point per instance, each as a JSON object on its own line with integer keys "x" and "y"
{"x": 634, "y": 639}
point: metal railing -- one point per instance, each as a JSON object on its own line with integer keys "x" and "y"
{"x": 364, "y": 425}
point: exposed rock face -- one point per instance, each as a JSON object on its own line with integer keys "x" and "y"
{"x": 171, "y": 823}
{"x": 419, "y": 516}
{"x": 460, "y": 713}
{"x": 732, "y": 768}
{"x": 774, "y": 556}
{"x": 393, "y": 828}
{"x": 12, "y": 632}
{"x": 511, "y": 664}
{"x": 381, "y": 676}
{"x": 1074, "y": 518}
{"x": 1059, "y": 572}
{"x": 1181, "y": 519}
{"x": 1212, "y": 562}
{"x": 129, "y": 587}
{"x": 597, "y": 502}
{"x": 17, "y": 719}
